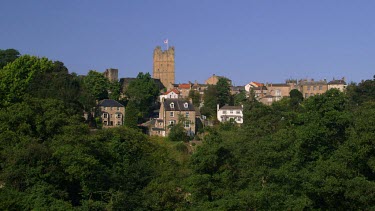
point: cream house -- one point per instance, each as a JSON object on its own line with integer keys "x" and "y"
{"x": 227, "y": 113}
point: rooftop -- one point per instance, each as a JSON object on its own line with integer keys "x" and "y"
{"x": 110, "y": 103}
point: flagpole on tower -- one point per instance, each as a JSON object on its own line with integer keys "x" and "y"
{"x": 166, "y": 42}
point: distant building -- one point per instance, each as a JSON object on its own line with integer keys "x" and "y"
{"x": 310, "y": 88}
{"x": 337, "y": 84}
{"x": 111, "y": 113}
{"x": 184, "y": 89}
{"x": 163, "y": 65}
{"x": 111, "y": 74}
{"x": 170, "y": 112}
{"x": 227, "y": 113}
{"x": 214, "y": 79}
{"x": 171, "y": 94}
{"x": 280, "y": 90}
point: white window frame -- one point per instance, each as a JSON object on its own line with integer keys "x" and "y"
{"x": 187, "y": 123}
{"x": 171, "y": 114}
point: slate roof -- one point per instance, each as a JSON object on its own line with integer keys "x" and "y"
{"x": 178, "y": 105}
{"x": 278, "y": 85}
{"x": 110, "y": 103}
{"x": 227, "y": 107}
{"x": 337, "y": 82}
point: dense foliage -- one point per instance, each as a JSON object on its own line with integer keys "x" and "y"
{"x": 313, "y": 154}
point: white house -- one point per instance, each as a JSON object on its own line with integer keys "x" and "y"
{"x": 171, "y": 94}
{"x": 226, "y": 113}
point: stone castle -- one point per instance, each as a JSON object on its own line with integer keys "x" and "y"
{"x": 163, "y": 67}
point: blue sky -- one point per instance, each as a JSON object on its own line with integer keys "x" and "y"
{"x": 251, "y": 40}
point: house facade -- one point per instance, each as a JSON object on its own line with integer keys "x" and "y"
{"x": 227, "y": 113}
{"x": 171, "y": 94}
{"x": 310, "y": 88}
{"x": 171, "y": 112}
{"x": 111, "y": 113}
{"x": 337, "y": 84}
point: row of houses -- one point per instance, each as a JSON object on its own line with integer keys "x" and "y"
{"x": 175, "y": 108}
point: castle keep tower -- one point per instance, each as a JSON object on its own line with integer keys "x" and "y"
{"x": 163, "y": 68}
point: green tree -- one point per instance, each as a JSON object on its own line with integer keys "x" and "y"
{"x": 143, "y": 91}
{"x": 240, "y": 98}
{"x": 8, "y": 56}
{"x": 223, "y": 91}
{"x": 195, "y": 97}
{"x": 296, "y": 98}
{"x": 16, "y": 77}
{"x": 96, "y": 85}
{"x": 209, "y": 101}
{"x": 131, "y": 115}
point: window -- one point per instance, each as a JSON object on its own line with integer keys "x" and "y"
{"x": 118, "y": 123}
{"x": 311, "y": 94}
{"x": 231, "y": 111}
{"x": 306, "y": 95}
{"x": 186, "y": 105}
{"x": 320, "y": 87}
{"x": 118, "y": 115}
{"x": 224, "y": 112}
{"x": 314, "y": 88}
{"x": 111, "y": 115}
{"x": 171, "y": 105}
{"x": 277, "y": 92}
{"x": 105, "y": 115}
{"x": 172, "y": 122}
{"x": 308, "y": 87}
{"x": 105, "y": 123}
{"x": 187, "y": 115}
{"x": 238, "y": 112}
{"x": 111, "y": 123}
{"x": 171, "y": 114}
{"x": 118, "y": 108}
{"x": 187, "y": 123}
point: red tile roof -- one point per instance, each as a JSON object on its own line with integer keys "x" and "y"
{"x": 184, "y": 86}
{"x": 258, "y": 84}
{"x": 172, "y": 90}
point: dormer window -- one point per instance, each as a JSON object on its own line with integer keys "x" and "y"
{"x": 186, "y": 105}
{"x": 172, "y": 105}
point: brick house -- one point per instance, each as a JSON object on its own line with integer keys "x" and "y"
{"x": 111, "y": 113}
{"x": 171, "y": 110}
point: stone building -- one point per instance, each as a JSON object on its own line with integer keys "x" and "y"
{"x": 111, "y": 74}
{"x": 310, "y": 88}
{"x": 111, "y": 113}
{"x": 337, "y": 84}
{"x": 214, "y": 79}
{"x": 171, "y": 110}
{"x": 163, "y": 67}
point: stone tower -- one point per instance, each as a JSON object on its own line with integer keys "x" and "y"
{"x": 111, "y": 74}
{"x": 163, "y": 68}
